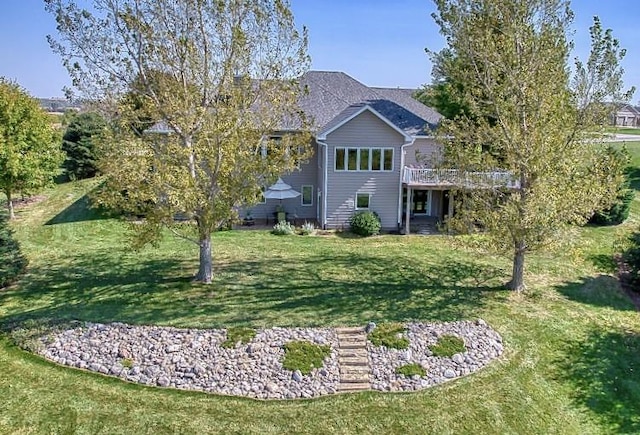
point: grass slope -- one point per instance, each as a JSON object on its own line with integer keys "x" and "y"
{"x": 572, "y": 342}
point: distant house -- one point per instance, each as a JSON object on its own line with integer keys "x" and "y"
{"x": 374, "y": 149}
{"x": 627, "y": 116}
{"x": 58, "y": 105}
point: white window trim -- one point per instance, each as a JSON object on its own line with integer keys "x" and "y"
{"x": 302, "y": 195}
{"x": 368, "y": 202}
{"x": 371, "y": 149}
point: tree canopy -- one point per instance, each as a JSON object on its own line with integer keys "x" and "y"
{"x": 30, "y": 154}
{"x": 508, "y": 60}
{"x": 79, "y": 142}
{"x": 217, "y": 77}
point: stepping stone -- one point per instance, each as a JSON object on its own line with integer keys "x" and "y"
{"x": 351, "y": 346}
{"x": 355, "y": 370}
{"x": 350, "y": 330}
{"x": 351, "y": 387}
{"x": 354, "y": 353}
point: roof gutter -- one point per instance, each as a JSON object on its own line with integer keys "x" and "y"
{"x": 402, "y": 152}
{"x": 325, "y": 164}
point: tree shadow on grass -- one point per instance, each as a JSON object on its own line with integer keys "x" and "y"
{"x": 320, "y": 290}
{"x": 79, "y": 211}
{"x": 604, "y": 371}
{"x": 600, "y": 291}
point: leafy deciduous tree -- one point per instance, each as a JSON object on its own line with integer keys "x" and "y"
{"x": 512, "y": 68}
{"x": 219, "y": 76}
{"x": 30, "y": 154}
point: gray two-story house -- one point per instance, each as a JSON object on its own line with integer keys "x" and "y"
{"x": 373, "y": 150}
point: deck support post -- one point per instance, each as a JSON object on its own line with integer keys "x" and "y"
{"x": 450, "y": 211}
{"x": 407, "y": 220}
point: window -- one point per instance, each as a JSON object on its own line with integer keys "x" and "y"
{"x": 388, "y": 159}
{"x": 364, "y": 159}
{"x": 340, "y": 154}
{"x": 375, "y": 166}
{"x": 307, "y": 195}
{"x": 362, "y": 201}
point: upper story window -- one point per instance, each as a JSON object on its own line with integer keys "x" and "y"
{"x": 363, "y": 159}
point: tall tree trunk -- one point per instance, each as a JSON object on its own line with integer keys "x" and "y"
{"x": 517, "y": 276}
{"x": 205, "y": 271}
{"x": 12, "y": 214}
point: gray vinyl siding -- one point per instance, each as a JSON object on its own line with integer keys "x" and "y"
{"x": 366, "y": 130}
{"x": 423, "y": 152}
{"x": 306, "y": 175}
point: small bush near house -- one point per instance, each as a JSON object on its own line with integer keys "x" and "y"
{"x": 390, "y": 335}
{"x": 283, "y": 229}
{"x": 238, "y": 335}
{"x": 12, "y": 262}
{"x": 365, "y": 223}
{"x": 618, "y": 212}
{"x": 307, "y": 229}
{"x": 447, "y": 346}
{"x": 304, "y": 356}
{"x": 412, "y": 369}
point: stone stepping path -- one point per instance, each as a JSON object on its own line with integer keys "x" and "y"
{"x": 353, "y": 360}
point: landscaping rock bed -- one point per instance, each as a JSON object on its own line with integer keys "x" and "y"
{"x": 195, "y": 360}
{"x": 482, "y": 344}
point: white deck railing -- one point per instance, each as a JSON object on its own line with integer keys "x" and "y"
{"x": 457, "y": 178}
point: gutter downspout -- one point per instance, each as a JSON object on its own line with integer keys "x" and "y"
{"x": 402, "y": 151}
{"x": 325, "y": 163}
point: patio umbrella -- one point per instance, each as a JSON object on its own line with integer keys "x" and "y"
{"x": 280, "y": 190}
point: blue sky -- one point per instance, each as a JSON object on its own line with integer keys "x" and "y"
{"x": 379, "y": 42}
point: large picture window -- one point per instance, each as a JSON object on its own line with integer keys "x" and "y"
{"x": 363, "y": 159}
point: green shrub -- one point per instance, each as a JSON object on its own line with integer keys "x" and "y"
{"x": 12, "y": 262}
{"x": 304, "y": 356}
{"x": 283, "y": 229}
{"x": 447, "y": 346}
{"x": 365, "y": 223}
{"x": 411, "y": 370}
{"x": 127, "y": 363}
{"x": 238, "y": 335}
{"x": 618, "y": 212}
{"x": 390, "y": 335}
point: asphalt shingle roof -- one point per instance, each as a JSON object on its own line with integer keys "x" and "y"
{"x": 334, "y": 96}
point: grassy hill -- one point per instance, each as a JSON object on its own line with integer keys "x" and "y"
{"x": 572, "y": 341}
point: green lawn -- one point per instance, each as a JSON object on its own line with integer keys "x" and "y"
{"x": 623, "y": 130}
{"x": 572, "y": 341}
